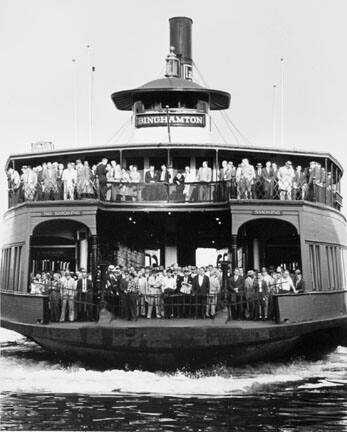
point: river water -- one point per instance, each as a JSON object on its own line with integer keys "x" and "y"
{"x": 38, "y": 392}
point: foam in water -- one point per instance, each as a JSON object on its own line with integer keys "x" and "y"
{"x": 20, "y": 374}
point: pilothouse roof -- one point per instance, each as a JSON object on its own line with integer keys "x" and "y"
{"x": 125, "y": 99}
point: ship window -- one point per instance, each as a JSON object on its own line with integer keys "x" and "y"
{"x": 11, "y": 268}
{"x": 315, "y": 262}
{"x": 344, "y": 267}
{"x": 330, "y": 275}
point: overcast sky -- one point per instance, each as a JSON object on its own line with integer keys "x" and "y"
{"x": 237, "y": 45}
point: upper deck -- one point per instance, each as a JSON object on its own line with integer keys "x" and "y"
{"x": 181, "y": 186}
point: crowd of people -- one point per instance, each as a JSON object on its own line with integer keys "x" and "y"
{"x": 111, "y": 182}
{"x": 174, "y": 292}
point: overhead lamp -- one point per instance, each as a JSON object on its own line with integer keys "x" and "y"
{"x": 130, "y": 218}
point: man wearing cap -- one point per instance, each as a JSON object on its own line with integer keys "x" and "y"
{"x": 154, "y": 291}
{"x": 113, "y": 280}
{"x": 285, "y": 181}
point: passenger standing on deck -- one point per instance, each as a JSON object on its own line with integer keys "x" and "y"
{"x": 135, "y": 177}
{"x": 142, "y": 286}
{"x": 150, "y": 190}
{"x": 68, "y": 292}
{"x": 84, "y": 297}
{"x": 69, "y": 180}
{"x": 236, "y": 294}
{"x": 268, "y": 178}
{"x": 54, "y": 298}
{"x": 131, "y": 292}
{"x": 13, "y": 186}
{"x": 299, "y": 282}
{"x": 204, "y": 177}
{"x": 246, "y": 179}
{"x": 260, "y": 297}
{"x": 285, "y": 181}
{"x": 299, "y": 184}
{"x": 100, "y": 173}
{"x": 249, "y": 294}
{"x": 154, "y": 291}
{"x": 286, "y": 284}
{"x": 214, "y": 291}
{"x": 79, "y": 179}
{"x": 200, "y": 289}
{"x": 270, "y": 285}
{"x": 189, "y": 178}
{"x": 29, "y": 179}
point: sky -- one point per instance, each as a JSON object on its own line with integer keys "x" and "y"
{"x": 237, "y": 46}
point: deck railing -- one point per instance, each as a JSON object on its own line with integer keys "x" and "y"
{"x": 209, "y": 192}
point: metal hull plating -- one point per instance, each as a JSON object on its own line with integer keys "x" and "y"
{"x": 187, "y": 343}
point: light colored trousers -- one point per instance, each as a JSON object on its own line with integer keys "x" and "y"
{"x": 70, "y": 302}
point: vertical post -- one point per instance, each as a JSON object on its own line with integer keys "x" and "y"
{"x": 217, "y": 164}
{"x": 224, "y": 266}
{"x": 234, "y": 260}
{"x": 333, "y": 194}
{"x": 274, "y": 115}
{"x": 282, "y": 102}
{"x": 121, "y": 158}
{"x": 168, "y": 123}
{"x": 75, "y": 105}
{"x": 326, "y": 180}
{"x": 94, "y": 247}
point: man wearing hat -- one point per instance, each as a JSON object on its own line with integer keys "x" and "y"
{"x": 285, "y": 181}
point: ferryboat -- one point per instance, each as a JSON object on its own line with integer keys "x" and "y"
{"x": 163, "y": 225}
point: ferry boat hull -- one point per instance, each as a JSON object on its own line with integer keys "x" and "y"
{"x": 178, "y": 344}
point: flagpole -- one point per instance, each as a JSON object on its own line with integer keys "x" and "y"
{"x": 91, "y": 70}
{"x": 274, "y": 114}
{"x": 282, "y": 102}
{"x": 75, "y": 105}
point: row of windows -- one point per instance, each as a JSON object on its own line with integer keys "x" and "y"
{"x": 11, "y": 259}
{"x": 328, "y": 264}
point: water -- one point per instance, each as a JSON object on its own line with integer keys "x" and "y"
{"x": 40, "y": 393}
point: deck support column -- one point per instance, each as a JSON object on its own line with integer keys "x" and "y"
{"x": 234, "y": 251}
{"x": 94, "y": 246}
{"x": 256, "y": 255}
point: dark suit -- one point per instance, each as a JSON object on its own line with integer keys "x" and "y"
{"x": 150, "y": 191}
{"x": 85, "y": 300}
{"x": 200, "y": 292}
{"x": 101, "y": 174}
{"x": 162, "y": 188}
{"x": 268, "y": 177}
{"x": 260, "y": 298}
{"x": 258, "y": 184}
{"x": 236, "y": 294}
{"x": 300, "y": 286}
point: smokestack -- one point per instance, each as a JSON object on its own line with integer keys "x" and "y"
{"x": 181, "y": 40}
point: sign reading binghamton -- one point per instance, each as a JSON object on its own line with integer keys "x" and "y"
{"x": 152, "y": 120}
